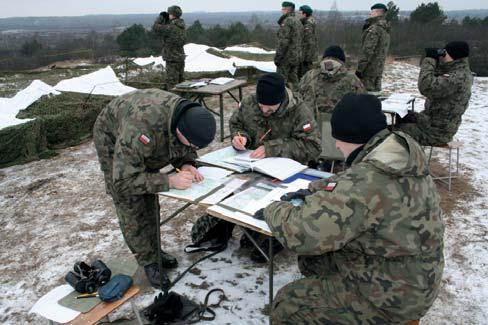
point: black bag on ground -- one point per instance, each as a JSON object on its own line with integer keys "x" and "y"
{"x": 210, "y": 234}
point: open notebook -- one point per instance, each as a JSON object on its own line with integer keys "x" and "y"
{"x": 240, "y": 161}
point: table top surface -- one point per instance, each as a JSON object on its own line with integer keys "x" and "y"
{"x": 212, "y": 89}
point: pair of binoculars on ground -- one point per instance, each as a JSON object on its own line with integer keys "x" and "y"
{"x": 88, "y": 278}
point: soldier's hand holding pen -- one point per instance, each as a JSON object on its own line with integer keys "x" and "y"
{"x": 239, "y": 142}
{"x": 181, "y": 180}
{"x": 259, "y": 153}
{"x": 197, "y": 177}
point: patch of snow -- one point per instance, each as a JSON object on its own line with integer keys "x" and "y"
{"x": 248, "y": 49}
{"x": 101, "y": 82}
{"x": 10, "y": 107}
{"x": 199, "y": 60}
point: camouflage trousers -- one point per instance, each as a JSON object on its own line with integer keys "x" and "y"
{"x": 174, "y": 73}
{"x": 372, "y": 83}
{"x": 137, "y": 214}
{"x": 304, "y": 67}
{"x": 290, "y": 73}
{"x": 324, "y": 300}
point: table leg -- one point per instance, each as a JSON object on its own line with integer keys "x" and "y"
{"x": 240, "y": 94}
{"x": 271, "y": 266}
{"x": 221, "y": 102}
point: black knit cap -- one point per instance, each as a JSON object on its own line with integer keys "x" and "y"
{"x": 357, "y": 118}
{"x": 457, "y": 50}
{"x": 270, "y": 89}
{"x": 196, "y": 124}
{"x": 335, "y": 51}
{"x": 379, "y": 6}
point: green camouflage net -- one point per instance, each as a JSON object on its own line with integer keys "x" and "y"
{"x": 60, "y": 121}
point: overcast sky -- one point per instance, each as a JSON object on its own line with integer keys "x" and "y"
{"x": 22, "y": 8}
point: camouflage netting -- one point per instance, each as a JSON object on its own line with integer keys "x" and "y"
{"x": 60, "y": 121}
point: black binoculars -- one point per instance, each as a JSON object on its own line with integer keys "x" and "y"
{"x": 87, "y": 278}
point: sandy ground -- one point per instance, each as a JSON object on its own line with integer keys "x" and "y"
{"x": 55, "y": 212}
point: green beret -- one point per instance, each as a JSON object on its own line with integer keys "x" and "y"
{"x": 379, "y": 6}
{"x": 285, "y": 4}
{"x": 306, "y": 9}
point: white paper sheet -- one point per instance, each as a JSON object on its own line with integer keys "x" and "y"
{"x": 221, "y": 194}
{"x": 221, "y": 81}
{"x": 49, "y": 308}
{"x": 218, "y": 157}
{"x": 214, "y": 172}
{"x": 196, "y": 191}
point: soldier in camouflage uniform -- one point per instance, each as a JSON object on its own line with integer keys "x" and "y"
{"x": 375, "y": 43}
{"x": 370, "y": 239}
{"x": 275, "y": 123}
{"x": 171, "y": 29}
{"x": 135, "y": 136}
{"x": 310, "y": 43}
{"x": 289, "y": 50}
{"x": 324, "y": 87}
{"x": 446, "y": 81}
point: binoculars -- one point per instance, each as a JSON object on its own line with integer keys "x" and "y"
{"x": 87, "y": 278}
{"x": 435, "y": 53}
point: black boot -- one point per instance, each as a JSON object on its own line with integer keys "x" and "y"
{"x": 152, "y": 274}
{"x": 169, "y": 261}
{"x": 256, "y": 255}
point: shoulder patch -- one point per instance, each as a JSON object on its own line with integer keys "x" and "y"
{"x": 307, "y": 127}
{"x": 330, "y": 186}
{"x": 144, "y": 139}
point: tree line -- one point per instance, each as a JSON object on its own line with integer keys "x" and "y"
{"x": 426, "y": 26}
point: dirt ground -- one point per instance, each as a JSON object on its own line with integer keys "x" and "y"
{"x": 55, "y": 212}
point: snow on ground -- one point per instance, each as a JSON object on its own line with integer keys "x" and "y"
{"x": 248, "y": 49}
{"x": 55, "y": 212}
{"x": 10, "y": 107}
{"x": 199, "y": 60}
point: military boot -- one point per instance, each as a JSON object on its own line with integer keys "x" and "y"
{"x": 152, "y": 274}
{"x": 168, "y": 260}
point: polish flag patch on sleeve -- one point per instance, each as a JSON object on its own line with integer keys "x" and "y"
{"x": 307, "y": 127}
{"x": 144, "y": 139}
{"x": 330, "y": 186}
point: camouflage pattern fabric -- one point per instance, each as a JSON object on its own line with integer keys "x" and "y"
{"x": 289, "y": 50}
{"x": 294, "y": 133}
{"x": 447, "y": 87}
{"x": 324, "y": 87}
{"x": 174, "y": 73}
{"x": 133, "y": 139}
{"x": 309, "y": 46}
{"x": 375, "y": 43}
{"x": 173, "y": 35}
{"x": 369, "y": 240}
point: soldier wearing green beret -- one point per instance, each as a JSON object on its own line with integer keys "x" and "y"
{"x": 310, "y": 42}
{"x": 375, "y": 43}
{"x": 289, "y": 49}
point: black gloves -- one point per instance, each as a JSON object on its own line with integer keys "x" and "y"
{"x": 359, "y": 74}
{"x": 164, "y": 15}
{"x": 259, "y": 214}
{"x": 434, "y": 53}
{"x": 409, "y": 118}
{"x": 298, "y": 195}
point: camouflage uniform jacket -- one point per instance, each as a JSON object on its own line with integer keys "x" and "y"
{"x": 310, "y": 43}
{"x": 139, "y": 124}
{"x": 174, "y": 38}
{"x": 294, "y": 133}
{"x": 447, "y": 87}
{"x": 323, "y": 88}
{"x": 378, "y": 224}
{"x": 375, "y": 43}
{"x": 290, "y": 34}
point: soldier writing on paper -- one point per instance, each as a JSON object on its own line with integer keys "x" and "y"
{"x": 135, "y": 136}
